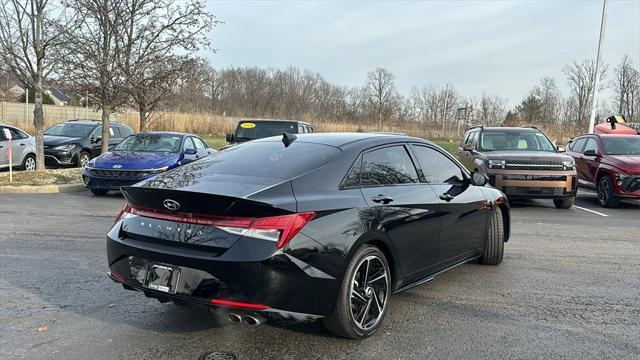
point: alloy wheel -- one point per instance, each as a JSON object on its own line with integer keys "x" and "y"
{"x": 603, "y": 190}
{"x": 369, "y": 292}
{"x": 30, "y": 164}
{"x": 84, "y": 160}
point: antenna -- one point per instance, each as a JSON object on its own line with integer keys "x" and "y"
{"x": 287, "y": 139}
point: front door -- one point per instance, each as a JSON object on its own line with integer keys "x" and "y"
{"x": 401, "y": 207}
{"x": 463, "y": 209}
{"x": 4, "y": 143}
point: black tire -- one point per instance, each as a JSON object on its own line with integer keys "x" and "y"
{"x": 494, "y": 240}
{"x": 99, "y": 192}
{"x": 605, "y": 192}
{"x": 29, "y": 163}
{"x": 342, "y": 322}
{"x": 83, "y": 159}
{"x": 564, "y": 203}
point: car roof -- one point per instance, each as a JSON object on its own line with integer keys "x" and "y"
{"x": 510, "y": 128}
{"x": 175, "y": 133}
{"x": 92, "y": 122}
{"x": 340, "y": 140}
{"x": 276, "y": 120}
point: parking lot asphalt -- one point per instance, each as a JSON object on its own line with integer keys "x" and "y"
{"x": 569, "y": 287}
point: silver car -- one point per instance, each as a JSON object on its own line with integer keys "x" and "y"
{"x": 23, "y": 149}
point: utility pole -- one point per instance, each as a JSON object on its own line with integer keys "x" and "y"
{"x": 444, "y": 111}
{"x": 594, "y": 101}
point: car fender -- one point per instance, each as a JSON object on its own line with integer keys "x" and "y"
{"x": 380, "y": 240}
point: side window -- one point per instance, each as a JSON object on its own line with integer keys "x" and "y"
{"x": 465, "y": 139}
{"x": 199, "y": 144}
{"x": 188, "y": 144}
{"x": 125, "y": 131}
{"x": 353, "y": 177}
{"x": 309, "y": 129}
{"x": 17, "y": 134}
{"x": 97, "y": 132}
{"x": 591, "y": 145}
{"x": 300, "y": 129}
{"x": 2, "y": 137}
{"x": 388, "y": 166}
{"x": 114, "y": 132}
{"x": 437, "y": 168}
{"x": 473, "y": 139}
{"x": 578, "y": 145}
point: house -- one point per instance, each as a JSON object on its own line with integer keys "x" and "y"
{"x": 59, "y": 97}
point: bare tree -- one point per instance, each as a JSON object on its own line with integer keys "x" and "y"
{"x": 581, "y": 78}
{"x": 148, "y": 45}
{"x": 626, "y": 86}
{"x": 549, "y": 96}
{"x": 381, "y": 91}
{"x": 90, "y": 54}
{"x": 27, "y": 41}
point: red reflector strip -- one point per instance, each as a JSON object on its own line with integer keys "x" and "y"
{"x": 239, "y": 304}
{"x": 117, "y": 276}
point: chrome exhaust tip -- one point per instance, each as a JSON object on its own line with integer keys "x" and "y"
{"x": 254, "y": 319}
{"x": 234, "y": 318}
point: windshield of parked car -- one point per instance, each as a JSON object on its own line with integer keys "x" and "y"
{"x": 248, "y": 130}
{"x": 514, "y": 140}
{"x": 151, "y": 143}
{"x": 621, "y": 146}
{"x": 70, "y": 130}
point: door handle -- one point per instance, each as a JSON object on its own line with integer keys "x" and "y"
{"x": 446, "y": 197}
{"x": 22, "y": 144}
{"x": 382, "y": 199}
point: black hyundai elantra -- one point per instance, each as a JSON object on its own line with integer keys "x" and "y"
{"x": 305, "y": 227}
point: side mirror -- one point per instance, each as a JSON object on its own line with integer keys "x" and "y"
{"x": 96, "y": 139}
{"x": 479, "y": 179}
{"x": 190, "y": 151}
{"x": 591, "y": 153}
{"x": 229, "y": 138}
{"x": 561, "y": 148}
{"x": 467, "y": 147}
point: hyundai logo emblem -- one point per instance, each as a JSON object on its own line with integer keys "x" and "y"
{"x": 117, "y": 166}
{"x": 171, "y": 204}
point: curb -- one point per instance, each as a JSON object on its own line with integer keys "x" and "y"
{"x": 42, "y": 189}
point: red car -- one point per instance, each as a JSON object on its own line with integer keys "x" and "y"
{"x": 608, "y": 163}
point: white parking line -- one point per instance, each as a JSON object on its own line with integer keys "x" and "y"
{"x": 591, "y": 211}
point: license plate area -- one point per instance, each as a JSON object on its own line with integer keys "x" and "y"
{"x": 161, "y": 277}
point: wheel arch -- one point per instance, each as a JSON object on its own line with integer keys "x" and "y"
{"x": 388, "y": 254}
{"x": 506, "y": 220}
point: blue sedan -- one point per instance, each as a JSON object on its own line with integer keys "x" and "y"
{"x": 142, "y": 156}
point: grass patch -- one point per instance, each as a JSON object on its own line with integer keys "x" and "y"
{"x": 42, "y": 177}
{"x": 451, "y": 147}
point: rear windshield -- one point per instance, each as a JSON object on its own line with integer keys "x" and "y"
{"x": 248, "y": 130}
{"x": 70, "y": 130}
{"x": 513, "y": 140}
{"x": 270, "y": 159}
{"x": 621, "y": 146}
{"x": 151, "y": 143}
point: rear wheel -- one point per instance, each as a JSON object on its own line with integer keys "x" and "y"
{"x": 99, "y": 192}
{"x": 29, "y": 163}
{"x": 363, "y": 296}
{"x": 494, "y": 240}
{"x": 605, "y": 192}
{"x": 83, "y": 159}
{"x": 564, "y": 203}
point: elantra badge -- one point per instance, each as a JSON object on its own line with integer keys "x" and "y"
{"x": 171, "y": 204}
{"x": 117, "y": 166}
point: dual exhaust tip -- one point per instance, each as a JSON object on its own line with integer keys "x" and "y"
{"x": 249, "y": 319}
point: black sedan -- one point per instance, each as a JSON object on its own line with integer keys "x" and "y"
{"x": 306, "y": 226}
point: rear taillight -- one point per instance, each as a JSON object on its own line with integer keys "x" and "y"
{"x": 125, "y": 209}
{"x": 279, "y": 229}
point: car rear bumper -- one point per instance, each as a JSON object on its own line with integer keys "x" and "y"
{"x": 534, "y": 184}
{"x": 280, "y": 283}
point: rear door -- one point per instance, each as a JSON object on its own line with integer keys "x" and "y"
{"x": 575, "y": 151}
{"x": 19, "y": 146}
{"x": 462, "y": 207}
{"x": 401, "y": 206}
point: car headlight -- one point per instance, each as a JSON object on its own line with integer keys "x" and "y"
{"x": 496, "y": 164}
{"x": 160, "y": 170}
{"x": 65, "y": 147}
{"x": 621, "y": 177}
{"x": 569, "y": 165}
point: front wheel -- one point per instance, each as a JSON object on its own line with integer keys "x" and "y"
{"x": 29, "y": 163}
{"x": 494, "y": 240}
{"x": 99, "y": 192}
{"x": 363, "y": 296}
{"x": 564, "y": 203}
{"x": 83, "y": 159}
{"x": 605, "y": 192}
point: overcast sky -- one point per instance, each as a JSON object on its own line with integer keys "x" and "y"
{"x": 501, "y": 47}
